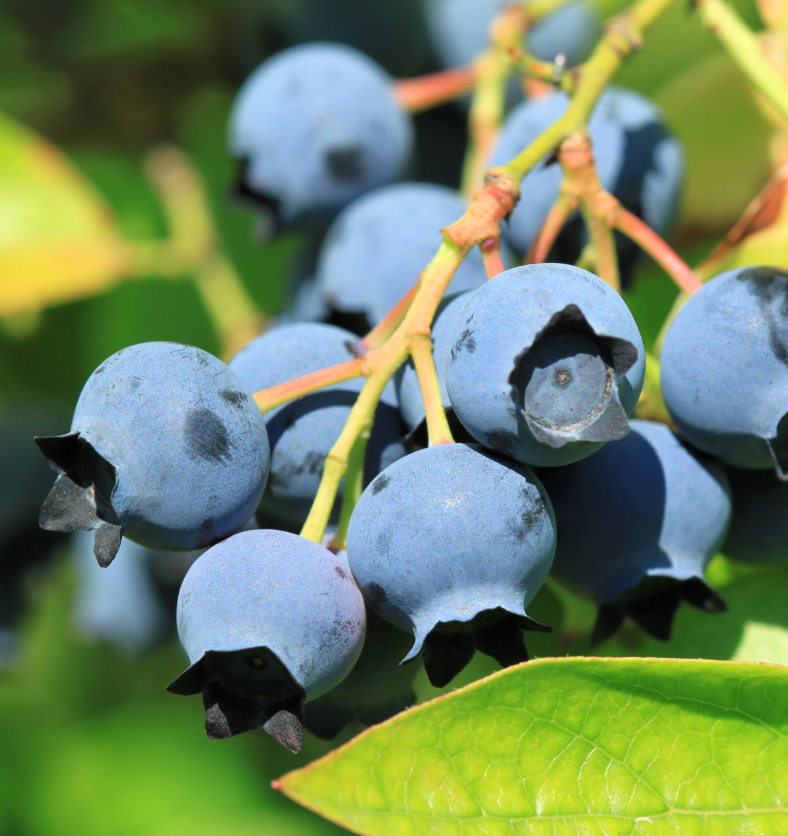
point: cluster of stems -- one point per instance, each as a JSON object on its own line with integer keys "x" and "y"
{"x": 405, "y": 332}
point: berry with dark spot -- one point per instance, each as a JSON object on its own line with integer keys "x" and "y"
{"x": 377, "y": 246}
{"x": 759, "y": 522}
{"x": 303, "y": 431}
{"x": 267, "y": 623}
{"x": 425, "y": 563}
{"x": 166, "y": 447}
{"x": 724, "y": 369}
{"x": 546, "y": 364}
{"x": 636, "y": 157}
{"x": 638, "y": 523}
{"x": 315, "y": 126}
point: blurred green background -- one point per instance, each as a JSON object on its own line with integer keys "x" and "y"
{"x": 91, "y": 743}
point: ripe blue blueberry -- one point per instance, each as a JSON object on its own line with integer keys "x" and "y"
{"x": 376, "y": 248}
{"x": 724, "y": 370}
{"x": 166, "y": 447}
{"x": 638, "y": 523}
{"x": 636, "y": 159}
{"x": 316, "y": 126}
{"x": 302, "y": 432}
{"x": 268, "y": 620}
{"x": 759, "y": 522}
{"x": 546, "y": 363}
{"x": 459, "y": 30}
{"x": 451, "y": 543}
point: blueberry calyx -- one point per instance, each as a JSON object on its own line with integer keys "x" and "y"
{"x": 565, "y": 384}
{"x": 449, "y": 646}
{"x": 652, "y": 605}
{"x": 230, "y": 709}
{"x": 81, "y": 498}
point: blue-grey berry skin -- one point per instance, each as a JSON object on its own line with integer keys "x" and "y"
{"x": 636, "y": 159}
{"x": 268, "y": 620}
{"x": 546, "y": 363}
{"x": 317, "y": 125}
{"x": 167, "y": 447}
{"x": 411, "y": 402}
{"x": 376, "y": 248}
{"x": 759, "y": 522}
{"x": 119, "y": 604}
{"x": 451, "y": 543}
{"x": 303, "y": 432}
{"x": 638, "y": 522}
{"x": 459, "y": 30}
{"x": 724, "y": 369}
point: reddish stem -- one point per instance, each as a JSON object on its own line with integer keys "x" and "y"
{"x": 491, "y": 256}
{"x": 553, "y": 224}
{"x": 389, "y": 324}
{"x": 267, "y": 399}
{"x": 415, "y": 94}
{"x": 657, "y": 248}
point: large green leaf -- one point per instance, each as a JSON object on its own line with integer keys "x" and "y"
{"x": 572, "y": 746}
{"x": 58, "y": 239}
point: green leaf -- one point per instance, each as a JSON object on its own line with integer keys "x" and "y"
{"x": 58, "y": 239}
{"x": 571, "y": 746}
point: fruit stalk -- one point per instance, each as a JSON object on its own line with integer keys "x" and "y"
{"x": 667, "y": 258}
{"x": 424, "y": 92}
{"x": 275, "y": 396}
{"x": 743, "y": 46}
{"x": 547, "y": 71}
{"x": 622, "y": 39}
{"x": 192, "y": 248}
{"x": 420, "y": 348}
{"x": 354, "y": 487}
{"x": 553, "y": 224}
{"x": 480, "y": 222}
{"x": 389, "y": 324}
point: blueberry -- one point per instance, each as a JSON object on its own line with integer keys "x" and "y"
{"x": 376, "y": 248}
{"x": 268, "y": 620}
{"x": 724, "y": 369}
{"x": 166, "y": 447}
{"x": 759, "y": 522}
{"x": 119, "y": 605}
{"x": 316, "y": 126}
{"x": 303, "y": 432}
{"x": 411, "y": 403}
{"x": 638, "y": 522}
{"x": 459, "y": 30}
{"x": 636, "y": 158}
{"x": 546, "y": 363}
{"x": 451, "y": 543}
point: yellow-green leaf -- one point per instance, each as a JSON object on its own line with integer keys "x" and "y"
{"x": 58, "y": 239}
{"x": 640, "y": 747}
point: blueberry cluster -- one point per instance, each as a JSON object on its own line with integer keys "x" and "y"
{"x": 540, "y": 369}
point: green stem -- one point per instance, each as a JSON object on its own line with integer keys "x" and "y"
{"x": 622, "y": 39}
{"x": 354, "y": 487}
{"x": 742, "y": 45}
